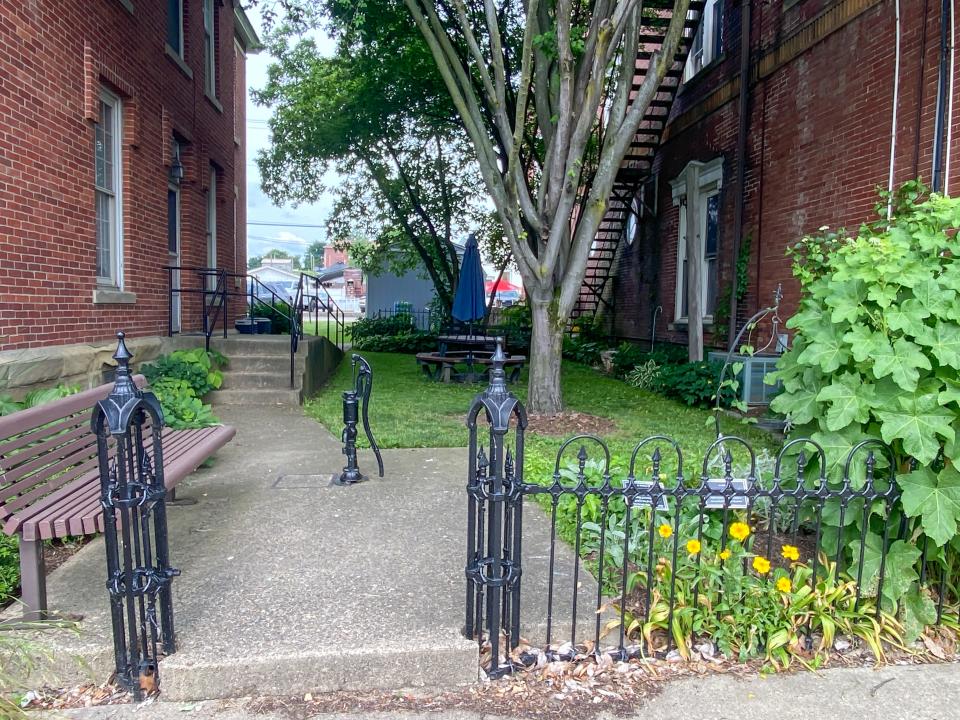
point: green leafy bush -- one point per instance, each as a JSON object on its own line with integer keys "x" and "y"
{"x": 629, "y": 355}
{"x": 36, "y": 397}
{"x": 582, "y": 351}
{"x": 197, "y": 367}
{"x": 9, "y": 567}
{"x": 181, "y": 406}
{"x": 693, "y": 383}
{"x": 278, "y": 313}
{"x": 645, "y": 375}
{"x": 181, "y": 380}
{"x": 516, "y": 325}
{"x": 380, "y": 326}
{"x": 408, "y": 341}
{"x": 876, "y": 353}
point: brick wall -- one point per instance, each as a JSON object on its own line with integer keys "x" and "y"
{"x": 818, "y": 143}
{"x": 55, "y": 55}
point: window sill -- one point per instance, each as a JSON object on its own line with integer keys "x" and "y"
{"x": 681, "y": 323}
{"x": 178, "y": 61}
{"x": 697, "y": 78}
{"x": 112, "y": 296}
{"x": 213, "y": 101}
{"x": 128, "y": 6}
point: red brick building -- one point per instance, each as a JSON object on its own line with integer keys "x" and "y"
{"x": 817, "y": 144}
{"x": 122, "y": 129}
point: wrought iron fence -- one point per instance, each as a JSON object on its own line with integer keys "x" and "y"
{"x": 425, "y": 319}
{"x": 632, "y": 551}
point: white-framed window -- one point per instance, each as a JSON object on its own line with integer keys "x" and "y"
{"x": 708, "y": 42}
{"x": 633, "y": 217}
{"x": 210, "y": 47}
{"x": 107, "y": 185}
{"x": 706, "y": 239}
{"x": 212, "y": 226}
{"x": 175, "y": 26}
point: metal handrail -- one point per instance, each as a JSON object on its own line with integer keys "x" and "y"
{"x": 334, "y": 312}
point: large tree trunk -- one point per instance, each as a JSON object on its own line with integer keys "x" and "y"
{"x": 546, "y": 345}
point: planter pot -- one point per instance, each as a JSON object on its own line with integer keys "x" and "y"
{"x": 245, "y": 326}
{"x": 263, "y": 325}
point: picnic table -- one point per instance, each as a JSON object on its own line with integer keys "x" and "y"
{"x": 468, "y": 343}
{"x": 466, "y": 366}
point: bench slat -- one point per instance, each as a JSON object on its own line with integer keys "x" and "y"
{"x": 79, "y": 512}
{"x": 43, "y": 467}
{"x": 35, "y": 435}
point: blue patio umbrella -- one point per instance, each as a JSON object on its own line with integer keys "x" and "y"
{"x": 469, "y": 303}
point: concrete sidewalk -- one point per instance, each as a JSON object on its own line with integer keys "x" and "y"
{"x": 291, "y": 585}
{"x": 928, "y": 692}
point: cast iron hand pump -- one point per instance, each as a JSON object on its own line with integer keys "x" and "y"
{"x": 363, "y": 385}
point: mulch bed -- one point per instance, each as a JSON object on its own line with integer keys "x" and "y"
{"x": 577, "y": 689}
{"x": 569, "y": 423}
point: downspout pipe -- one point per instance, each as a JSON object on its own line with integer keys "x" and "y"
{"x": 941, "y": 111}
{"x": 741, "y": 161}
{"x": 893, "y": 122}
{"x": 953, "y": 77}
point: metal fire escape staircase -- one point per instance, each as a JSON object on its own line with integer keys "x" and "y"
{"x": 637, "y": 166}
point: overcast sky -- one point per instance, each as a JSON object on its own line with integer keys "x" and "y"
{"x": 291, "y": 231}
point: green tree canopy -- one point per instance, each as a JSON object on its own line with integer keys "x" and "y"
{"x": 378, "y": 114}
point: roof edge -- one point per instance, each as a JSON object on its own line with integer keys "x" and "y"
{"x": 244, "y": 30}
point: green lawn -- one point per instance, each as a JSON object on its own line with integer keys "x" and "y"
{"x": 407, "y": 411}
{"x": 322, "y": 329}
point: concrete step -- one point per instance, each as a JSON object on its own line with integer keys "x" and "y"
{"x": 270, "y": 363}
{"x": 261, "y": 379}
{"x": 256, "y": 396}
{"x": 278, "y": 345}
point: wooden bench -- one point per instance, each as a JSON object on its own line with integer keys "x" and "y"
{"x": 443, "y": 366}
{"x": 50, "y": 479}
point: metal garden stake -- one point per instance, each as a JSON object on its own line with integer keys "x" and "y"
{"x": 352, "y": 412}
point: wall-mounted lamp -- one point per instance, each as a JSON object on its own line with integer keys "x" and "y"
{"x": 176, "y": 167}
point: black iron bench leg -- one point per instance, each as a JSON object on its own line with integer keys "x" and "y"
{"x": 33, "y": 580}
{"x": 515, "y": 373}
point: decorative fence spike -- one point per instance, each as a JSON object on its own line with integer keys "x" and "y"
{"x": 128, "y": 425}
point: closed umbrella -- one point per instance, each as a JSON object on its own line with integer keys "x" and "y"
{"x": 469, "y": 302}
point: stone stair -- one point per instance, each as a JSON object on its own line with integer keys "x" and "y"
{"x": 259, "y": 370}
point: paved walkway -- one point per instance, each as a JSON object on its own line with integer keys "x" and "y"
{"x": 291, "y": 585}
{"x": 930, "y": 692}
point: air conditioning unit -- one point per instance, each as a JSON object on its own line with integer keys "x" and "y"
{"x": 753, "y": 388}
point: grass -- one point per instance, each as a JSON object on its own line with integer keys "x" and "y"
{"x": 321, "y": 330}
{"x": 409, "y": 411}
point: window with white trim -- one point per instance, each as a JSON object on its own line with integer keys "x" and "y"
{"x": 210, "y": 48}
{"x": 108, "y": 212}
{"x": 706, "y": 239}
{"x": 708, "y": 42}
{"x": 175, "y": 26}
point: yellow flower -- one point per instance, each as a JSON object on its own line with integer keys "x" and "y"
{"x": 739, "y": 531}
{"x": 791, "y": 553}
{"x": 665, "y": 531}
{"x": 724, "y": 554}
{"x": 693, "y": 546}
{"x": 783, "y": 584}
{"x": 761, "y": 565}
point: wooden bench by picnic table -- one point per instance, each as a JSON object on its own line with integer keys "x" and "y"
{"x": 50, "y": 478}
{"x": 444, "y": 366}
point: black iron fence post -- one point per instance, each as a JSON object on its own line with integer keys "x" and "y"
{"x": 127, "y": 425}
{"x": 353, "y": 413}
{"x": 494, "y": 520}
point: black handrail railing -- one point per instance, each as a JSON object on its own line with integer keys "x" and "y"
{"x": 309, "y": 291}
{"x": 335, "y": 315}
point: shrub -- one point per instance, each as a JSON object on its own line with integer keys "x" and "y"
{"x": 180, "y": 380}
{"x": 380, "y": 326}
{"x": 516, "y": 325}
{"x": 693, "y": 383}
{"x": 876, "y": 351}
{"x": 582, "y": 351}
{"x": 408, "y": 341}
{"x": 278, "y": 314}
{"x": 9, "y": 567}
{"x": 181, "y": 406}
{"x": 626, "y": 358}
{"x": 36, "y": 397}
{"x": 197, "y": 367}
{"x": 645, "y": 375}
